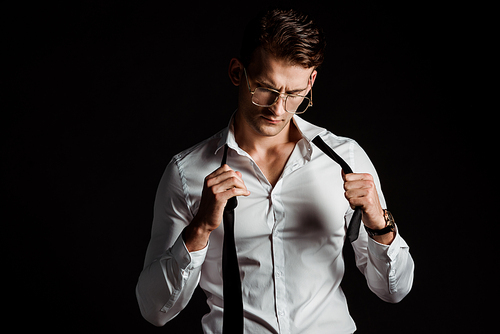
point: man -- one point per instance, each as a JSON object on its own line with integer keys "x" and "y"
{"x": 294, "y": 203}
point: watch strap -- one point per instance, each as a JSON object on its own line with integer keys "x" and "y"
{"x": 390, "y": 225}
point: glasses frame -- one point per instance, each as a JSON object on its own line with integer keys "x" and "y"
{"x": 284, "y": 96}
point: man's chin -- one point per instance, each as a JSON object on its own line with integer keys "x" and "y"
{"x": 270, "y": 129}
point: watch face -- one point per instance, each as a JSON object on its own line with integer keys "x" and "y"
{"x": 389, "y": 218}
{"x": 390, "y": 226}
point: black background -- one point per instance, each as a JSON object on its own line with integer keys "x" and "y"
{"x": 101, "y": 94}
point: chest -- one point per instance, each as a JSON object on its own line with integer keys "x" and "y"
{"x": 301, "y": 217}
{"x": 302, "y": 202}
{"x": 273, "y": 163}
{"x": 272, "y": 168}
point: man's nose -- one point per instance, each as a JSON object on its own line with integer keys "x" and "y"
{"x": 278, "y": 108}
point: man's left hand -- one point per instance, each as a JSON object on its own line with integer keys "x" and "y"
{"x": 360, "y": 191}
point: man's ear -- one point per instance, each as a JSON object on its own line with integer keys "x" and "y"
{"x": 313, "y": 77}
{"x": 236, "y": 71}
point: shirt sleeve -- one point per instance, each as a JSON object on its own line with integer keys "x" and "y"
{"x": 171, "y": 273}
{"x": 388, "y": 269}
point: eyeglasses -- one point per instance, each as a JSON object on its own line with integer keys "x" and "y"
{"x": 267, "y": 97}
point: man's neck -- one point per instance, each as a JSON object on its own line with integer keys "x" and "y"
{"x": 270, "y": 153}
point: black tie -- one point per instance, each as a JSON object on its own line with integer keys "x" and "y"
{"x": 233, "y": 303}
{"x": 353, "y": 229}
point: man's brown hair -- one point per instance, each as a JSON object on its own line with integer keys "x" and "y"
{"x": 286, "y": 34}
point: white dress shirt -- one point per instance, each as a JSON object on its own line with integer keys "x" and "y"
{"x": 289, "y": 240}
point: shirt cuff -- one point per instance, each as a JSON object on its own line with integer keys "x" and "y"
{"x": 386, "y": 252}
{"x": 186, "y": 259}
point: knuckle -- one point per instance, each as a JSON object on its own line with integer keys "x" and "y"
{"x": 234, "y": 180}
{"x": 220, "y": 197}
{"x": 208, "y": 183}
{"x": 353, "y": 201}
{"x": 230, "y": 174}
{"x": 213, "y": 191}
{"x": 347, "y": 195}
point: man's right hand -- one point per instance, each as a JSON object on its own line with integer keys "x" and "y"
{"x": 219, "y": 186}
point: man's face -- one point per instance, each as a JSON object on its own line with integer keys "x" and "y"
{"x": 270, "y": 72}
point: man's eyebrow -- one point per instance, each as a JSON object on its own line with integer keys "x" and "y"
{"x": 267, "y": 84}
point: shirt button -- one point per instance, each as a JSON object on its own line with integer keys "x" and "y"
{"x": 278, "y": 274}
{"x": 281, "y": 313}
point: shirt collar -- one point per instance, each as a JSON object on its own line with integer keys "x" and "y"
{"x": 227, "y": 135}
{"x": 309, "y": 132}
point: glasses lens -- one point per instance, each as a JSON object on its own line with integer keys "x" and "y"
{"x": 263, "y": 97}
{"x": 296, "y": 104}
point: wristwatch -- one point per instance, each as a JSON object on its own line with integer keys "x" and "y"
{"x": 389, "y": 227}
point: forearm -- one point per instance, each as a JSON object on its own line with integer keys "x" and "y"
{"x": 196, "y": 236}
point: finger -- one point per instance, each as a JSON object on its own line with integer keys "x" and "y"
{"x": 356, "y": 193}
{"x": 246, "y": 192}
{"x": 226, "y": 194}
{"x": 235, "y": 192}
{"x": 355, "y": 198}
{"x": 222, "y": 176}
{"x": 358, "y": 184}
{"x": 358, "y": 176}
{"x": 365, "y": 198}
{"x": 228, "y": 183}
{"x": 222, "y": 169}
{"x": 356, "y": 202}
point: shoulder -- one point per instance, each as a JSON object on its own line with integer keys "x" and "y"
{"x": 310, "y": 131}
{"x": 192, "y": 165}
{"x": 204, "y": 150}
{"x": 348, "y": 149}
{"x": 335, "y": 141}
